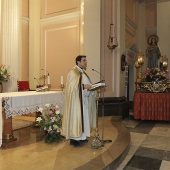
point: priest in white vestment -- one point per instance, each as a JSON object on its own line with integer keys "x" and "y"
{"x": 79, "y": 111}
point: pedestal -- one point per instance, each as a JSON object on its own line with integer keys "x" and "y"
{"x": 7, "y": 135}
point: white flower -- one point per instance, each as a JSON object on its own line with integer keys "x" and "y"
{"x": 40, "y": 110}
{"x": 38, "y": 119}
{"x": 57, "y": 112}
{"x": 57, "y": 107}
{"x": 47, "y": 105}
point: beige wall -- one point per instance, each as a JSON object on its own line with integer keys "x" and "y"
{"x": 60, "y": 38}
{"x": 51, "y": 8}
{"x": 25, "y": 8}
{"x": 60, "y": 46}
{"x": 63, "y": 37}
{"x": 163, "y": 29}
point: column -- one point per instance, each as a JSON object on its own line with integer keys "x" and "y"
{"x": 10, "y": 45}
{"x": 34, "y": 41}
{"x": 11, "y": 40}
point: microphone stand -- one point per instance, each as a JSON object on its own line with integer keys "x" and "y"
{"x": 102, "y": 103}
{"x": 108, "y": 140}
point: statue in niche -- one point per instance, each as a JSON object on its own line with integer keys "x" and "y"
{"x": 153, "y": 51}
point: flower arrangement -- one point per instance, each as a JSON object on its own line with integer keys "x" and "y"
{"x": 50, "y": 123}
{"x": 155, "y": 74}
{"x": 4, "y": 73}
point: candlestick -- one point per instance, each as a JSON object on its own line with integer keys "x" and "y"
{"x": 62, "y": 86}
{"x": 62, "y": 80}
{"x": 48, "y": 79}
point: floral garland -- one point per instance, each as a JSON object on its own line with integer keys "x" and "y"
{"x": 50, "y": 123}
{"x": 155, "y": 74}
{"x": 4, "y": 73}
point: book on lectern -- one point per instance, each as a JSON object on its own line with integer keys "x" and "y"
{"x": 98, "y": 85}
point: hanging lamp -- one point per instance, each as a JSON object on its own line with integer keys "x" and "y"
{"x": 112, "y": 40}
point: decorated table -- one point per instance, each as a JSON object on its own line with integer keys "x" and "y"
{"x": 152, "y": 106}
{"x": 19, "y": 103}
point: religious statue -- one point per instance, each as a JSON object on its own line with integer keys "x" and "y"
{"x": 153, "y": 51}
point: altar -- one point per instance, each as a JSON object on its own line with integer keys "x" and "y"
{"x": 19, "y": 103}
{"x": 152, "y": 106}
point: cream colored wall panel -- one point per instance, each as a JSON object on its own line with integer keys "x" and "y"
{"x": 130, "y": 9}
{"x": 25, "y": 51}
{"x": 25, "y": 8}
{"x": 163, "y": 30}
{"x": 57, "y": 7}
{"x": 60, "y": 46}
{"x": 151, "y": 14}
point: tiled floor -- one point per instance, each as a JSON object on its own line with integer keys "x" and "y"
{"x": 150, "y": 145}
{"x": 33, "y": 154}
{"x": 149, "y": 149}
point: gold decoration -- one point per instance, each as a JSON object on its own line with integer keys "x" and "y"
{"x": 138, "y": 64}
{"x": 156, "y": 86}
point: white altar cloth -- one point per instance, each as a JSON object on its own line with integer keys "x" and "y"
{"x": 19, "y": 103}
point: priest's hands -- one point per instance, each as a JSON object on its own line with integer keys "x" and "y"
{"x": 87, "y": 86}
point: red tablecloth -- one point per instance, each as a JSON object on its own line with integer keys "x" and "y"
{"x": 151, "y": 106}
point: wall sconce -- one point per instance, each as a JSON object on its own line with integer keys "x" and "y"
{"x": 112, "y": 41}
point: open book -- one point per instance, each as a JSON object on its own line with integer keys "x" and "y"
{"x": 98, "y": 85}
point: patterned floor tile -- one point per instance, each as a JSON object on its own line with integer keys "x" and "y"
{"x": 165, "y": 165}
{"x": 143, "y": 127}
{"x": 150, "y": 153}
{"x": 156, "y": 142}
{"x": 144, "y": 163}
{"x": 150, "y": 147}
{"x": 137, "y": 138}
{"x": 160, "y": 131}
{"x": 166, "y": 156}
{"x": 131, "y": 168}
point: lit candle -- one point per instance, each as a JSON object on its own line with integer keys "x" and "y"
{"x": 62, "y": 80}
{"x": 48, "y": 80}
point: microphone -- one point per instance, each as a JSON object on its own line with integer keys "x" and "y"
{"x": 38, "y": 82}
{"x": 99, "y": 73}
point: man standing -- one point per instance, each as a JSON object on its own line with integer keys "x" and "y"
{"x": 79, "y": 111}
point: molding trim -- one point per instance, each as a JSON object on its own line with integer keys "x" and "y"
{"x": 63, "y": 18}
{"x": 131, "y": 23}
{"x": 25, "y": 20}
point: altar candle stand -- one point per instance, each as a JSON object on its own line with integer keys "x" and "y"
{"x": 62, "y": 82}
{"x": 62, "y": 87}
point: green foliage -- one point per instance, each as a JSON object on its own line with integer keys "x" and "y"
{"x": 50, "y": 123}
{"x": 4, "y": 73}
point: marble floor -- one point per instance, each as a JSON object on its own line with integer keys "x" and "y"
{"x": 139, "y": 145}
{"x": 30, "y": 153}
{"x": 150, "y": 145}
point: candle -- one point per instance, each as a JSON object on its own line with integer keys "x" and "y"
{"x": 48, "y": 79}
{"x": 62, "y": 80}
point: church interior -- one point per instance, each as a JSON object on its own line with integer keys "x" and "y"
{"x": 126, "y": 45}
